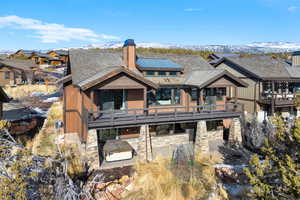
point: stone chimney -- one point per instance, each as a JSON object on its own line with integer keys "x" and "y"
{"x": 296, "y": 58}
{"x": 129, "y": 54}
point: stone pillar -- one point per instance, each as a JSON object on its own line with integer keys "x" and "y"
{"x": 235, "y": 134}
{"x": 202, "y": 137}
{"x": 91, "y": 151}
{"x": 144, "y": 145}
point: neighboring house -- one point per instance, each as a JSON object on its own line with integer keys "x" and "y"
{"x": 62, "y": 55}
{"x": 16, "y": 71}
{"x": 45, "y": 59}
{"x": 3, "y": 99}
{"x": 273, "y": 83}
{"x": 215, "y": 57}
{"x": 120, "y": 103}
{"x": 23, "y": 54}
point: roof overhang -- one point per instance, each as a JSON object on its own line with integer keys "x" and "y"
{"x": 224, "y": 59}
{"x": 116, "y": 72}
{"x": 239, "y": 82}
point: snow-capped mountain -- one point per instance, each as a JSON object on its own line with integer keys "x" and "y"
{"x": 276, "y": 45}
{"x": 256, "y": 47}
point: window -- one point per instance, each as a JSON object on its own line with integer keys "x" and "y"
{"x": 172, "y": 73}
{"x": 162, "y": 73}
{"x": 6, "y": 75}
{"x": 164, "y": 96}
{"x": 213, "y": 125}
{"x": 194, "y": 94}
{"x": 219, "y": 93}
{"x": 150, "y": 73}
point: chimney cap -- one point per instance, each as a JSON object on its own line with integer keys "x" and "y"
{"x": 129, "y": 42}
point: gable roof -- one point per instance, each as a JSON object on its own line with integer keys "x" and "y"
{"x": 18, "y": 63}
{"x": 90, "y": 67}
{"x": 86, "y": 63}
{"x": 261, "y": 67}
{"x": 203, "y": 78}
{"x": 100, "y": 77}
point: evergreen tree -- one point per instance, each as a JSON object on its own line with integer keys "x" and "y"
{"x": 277, "y": 176}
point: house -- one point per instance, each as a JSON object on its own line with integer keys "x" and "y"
{"x": 45, "y": 59}
{"x": 273, "y": 83}
{"x": 61, "y": 54}
{"x": 16, "y": 71}
{"x": 129, "y": 106}
{"x": 215, "y": 57}
{"x": 26, "y": 54}
{"x": 3, "y": 99}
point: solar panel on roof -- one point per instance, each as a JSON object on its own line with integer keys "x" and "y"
{"x": 157, "y": 63}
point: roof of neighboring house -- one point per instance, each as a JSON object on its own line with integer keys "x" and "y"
{"x": 262, "y": 67}
{"x": 296, "y": 53}
{"x": 26, "y": 53}
{"x": 60, "y": 52}
{"x": 16, "y": 112}
{"x": 18, "y": 63}
{"x": 3, "y": 96}
{"x": 158, "y": 64}
{"x": 215, "y": 57}
{"x": 209, "y": 76}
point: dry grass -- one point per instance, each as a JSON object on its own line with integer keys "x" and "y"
{"x": 22, "y": 91}
{"x": 44, "y": 142}
{"x": 162, "y": 180}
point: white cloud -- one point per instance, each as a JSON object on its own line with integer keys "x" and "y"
{"x": 52, "y": 33}
{"x": 192, "y": 9}
{"x": 293, "y": 8}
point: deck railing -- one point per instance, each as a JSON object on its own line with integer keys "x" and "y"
{"x": 161, "y": 114}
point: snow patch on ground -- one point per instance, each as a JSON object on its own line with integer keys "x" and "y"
{"x": 51, "y": 99}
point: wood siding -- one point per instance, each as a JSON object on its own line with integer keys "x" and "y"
{"x": 247, "y": 96}
{"x": 296, "y": 60}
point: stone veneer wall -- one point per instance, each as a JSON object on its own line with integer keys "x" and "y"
{"x": 92, "y": 154}
{"x": 235, "y": 133}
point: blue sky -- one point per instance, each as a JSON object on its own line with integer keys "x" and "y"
{"x": 33, "y": 24}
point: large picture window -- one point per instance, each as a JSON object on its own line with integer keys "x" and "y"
{"x": 164, "y": 96}
{"x": 194, "y": 94}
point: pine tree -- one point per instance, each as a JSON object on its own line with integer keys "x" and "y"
{"x": 277, "y": 175}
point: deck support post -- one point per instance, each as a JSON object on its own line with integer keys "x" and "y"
{"x": 235, "y": 134}
{"x": 145, "y": 145}
{"x": 92, "y": 149}
{"x": 201, "y": 141}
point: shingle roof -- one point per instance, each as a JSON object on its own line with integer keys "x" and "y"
{"x": 157, "y": 64}
{"x": 296, "y": 53}
{"x": 188, "y": 62}
{"x": 202, "y": 78}
{"x": 18, "y": 63}
{"x": 88, "y": 66}
{"x": 262, "y": 66}
{"x": 87, "y": 63}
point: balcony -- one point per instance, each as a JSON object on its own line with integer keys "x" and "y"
{"x": 161, "y": 115}
{"x": 282, "y": 99}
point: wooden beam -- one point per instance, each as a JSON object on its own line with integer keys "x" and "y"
{"x": 273, "y": 98}
{"x": 236, "y": 94}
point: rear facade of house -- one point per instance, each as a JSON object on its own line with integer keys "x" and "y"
{"x": 140, "y": 106}
{"x": 273, "y": 83}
